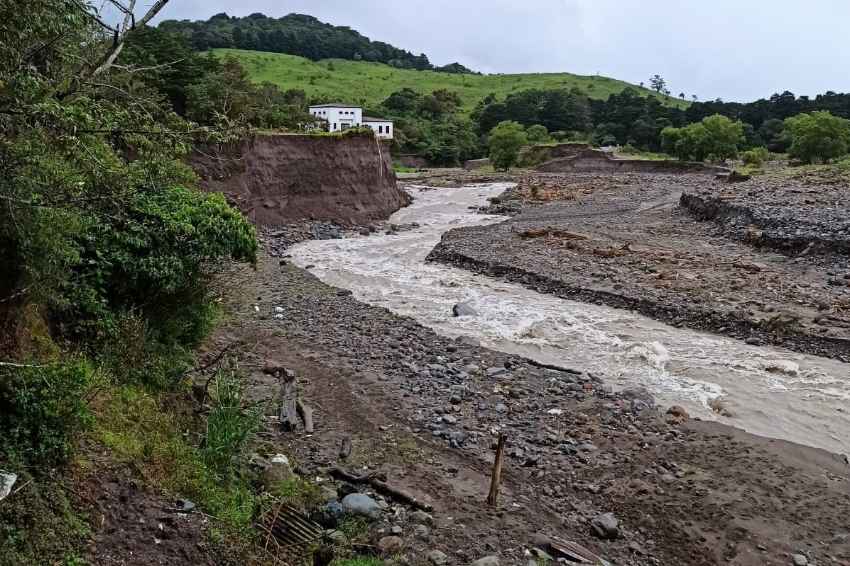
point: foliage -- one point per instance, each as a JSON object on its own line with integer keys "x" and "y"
{"x": 297, "y": 34}
{"x": 755, "y": 157}
{"x": 538, "y": 134}
{"x": 369, "y": 84}
{"x": 715, "y": 138}
{"x": 506, "y": 140}
{"x": 818, "y": 136}
{"x": 138, "y": 427}
{"x": 556, "y": 109}
{"x": 230, "y": 425}
{"x": 42, "y": 409}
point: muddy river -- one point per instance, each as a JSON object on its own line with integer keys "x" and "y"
{"x": 769, "y": 391}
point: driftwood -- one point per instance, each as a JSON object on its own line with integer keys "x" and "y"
{"x": 380, "y": 486}
{"x": 306, "y": 414}
{"x": 574, "y": 552}
{"x": 496, "y": 478}
{"x": 289, "y": 402}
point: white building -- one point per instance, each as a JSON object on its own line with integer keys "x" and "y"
{"x": 343, "y": 116}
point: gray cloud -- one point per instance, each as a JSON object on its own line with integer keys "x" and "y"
{"x": 734, "y": 49}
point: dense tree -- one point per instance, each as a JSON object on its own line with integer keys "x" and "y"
{"x": 537, "y": 134}
{"x": 716, "y": 138}
{"x": 297, "y": 34}
{"x": 506, "y": 140}
{"x": 657, "y": 83}
{"x": 818, "y": 136}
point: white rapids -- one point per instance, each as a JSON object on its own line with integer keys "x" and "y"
{"x": 769, "y": 391}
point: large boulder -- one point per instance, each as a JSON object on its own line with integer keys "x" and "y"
{"x": 362, "y": 505}
{"x": 464, "y": 309}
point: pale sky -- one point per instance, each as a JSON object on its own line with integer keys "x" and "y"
{"x": 733, "y": 49}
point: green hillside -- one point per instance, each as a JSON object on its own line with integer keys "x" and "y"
{"x": 359, "y": 82}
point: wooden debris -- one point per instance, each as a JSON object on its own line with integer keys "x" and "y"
{"x": 306, "y": 414}
{"x": 378, "y": 482}
{"x": 496, "y": 477}
{"x": 288, "y": 401}
{"x": 575, "y": 552}
{"x": 551, "y": 232}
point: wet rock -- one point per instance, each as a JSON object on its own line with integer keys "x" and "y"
{"x": 362, "y": 505}
{"x": 605, "y": 526}
{"x": 330, "y": 515}
{"x": 437, "y": 558}
{"x": 421, "y": 518}
{"x": 7, "y": 481}
{"x": 396, "y": 530}
{"x": 421, "y": 531}
{"x": 486, "y": 561}
{"x": 464, "y": 309}
{"x": 391, "y": 545}
{"x": 182, "y": 506}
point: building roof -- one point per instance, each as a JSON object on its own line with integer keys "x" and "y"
{"x": 334, "y": 105}
{"x": 371, "y": 119}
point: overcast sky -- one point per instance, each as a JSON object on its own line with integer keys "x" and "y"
{"x": 733, "y": 49}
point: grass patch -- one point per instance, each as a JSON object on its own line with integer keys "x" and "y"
{"x": 398, "y": 168}
{"x": 162, "y": 446}
{"x": 370, "y": 84}
{"x": 631, "y": 152}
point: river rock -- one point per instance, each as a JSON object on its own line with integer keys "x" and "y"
{"x": 360, "y": 504}
{"x": 391, "y": 545}
{"x": 486, "y": 561}
{"x": 437, "y": 558}
{"x": 330, "y": 515}
{"x": 421, "y": 518}
{"x": 7, "y": 480}
{"x": 677, "y": 415}
{"x": 800, "y": 560}
{"x": 464, "y": 309}
{"x": 605, "y": 526}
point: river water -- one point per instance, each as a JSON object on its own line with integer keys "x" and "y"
{"x": 769, "y": 391}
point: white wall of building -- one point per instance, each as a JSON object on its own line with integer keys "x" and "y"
{"x": 338, "y": 117}
{"x": 382, "y": 129}
{"x": 341, "y": 118}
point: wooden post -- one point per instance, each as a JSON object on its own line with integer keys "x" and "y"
{"x": 306, "y": 413}
{"x": 496, "y": 478}
{"x": 289, "y": 401}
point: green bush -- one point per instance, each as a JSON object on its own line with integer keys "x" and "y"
{"x": 42, "y": 408}
{"x": 818, "y": 136}
{"x": 755, "y": 157}
{"x": 715, "y": 138}
{"x": 506, "y": 140}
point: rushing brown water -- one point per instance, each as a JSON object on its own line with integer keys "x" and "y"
{"x": 769, "y": 391}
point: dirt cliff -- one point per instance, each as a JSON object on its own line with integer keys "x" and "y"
{"x": 275, "y": 179}
{"x": 596, "y": 161}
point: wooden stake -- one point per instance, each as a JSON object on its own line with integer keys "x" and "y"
{"x": 288, "y": 401}
{"x": 496, "y": 478}
{"x": 306, "y": 413}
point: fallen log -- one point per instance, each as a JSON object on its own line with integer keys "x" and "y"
{"x": 381, "y": 487}
{"x": 496, "y": 477}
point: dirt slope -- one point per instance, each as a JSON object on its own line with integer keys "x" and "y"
{"x": 275, "y": 179}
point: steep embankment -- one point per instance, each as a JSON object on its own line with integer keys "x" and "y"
{"x": 275, "y": 179}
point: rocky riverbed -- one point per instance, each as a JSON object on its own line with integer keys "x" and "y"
{"x": 628, "y": 482}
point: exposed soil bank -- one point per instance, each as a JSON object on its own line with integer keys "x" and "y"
{"x": 275, "y": 179}
{"x": 596, "y": 161}
{"x": 423, "y": 408}
{"x": 620, "y": 240}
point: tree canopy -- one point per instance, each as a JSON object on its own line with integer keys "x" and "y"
{"x": 506, "y": 140}
{"x": 818, "y": 136}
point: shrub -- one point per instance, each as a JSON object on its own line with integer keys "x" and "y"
{"x": 538, "y": 134}
{"x": 506, "y": 140}
{"x": 818, "y": 136}
{"x": 755, "y": 157}
{"x": 716, "y": 138}
{"x": 42, "y": 408}
{"x": 230, "y": 425}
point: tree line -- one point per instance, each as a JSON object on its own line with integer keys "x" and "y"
{"x": 298, "y": 34}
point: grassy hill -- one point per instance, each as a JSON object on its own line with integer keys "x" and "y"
{"x": 358, "y": 82}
